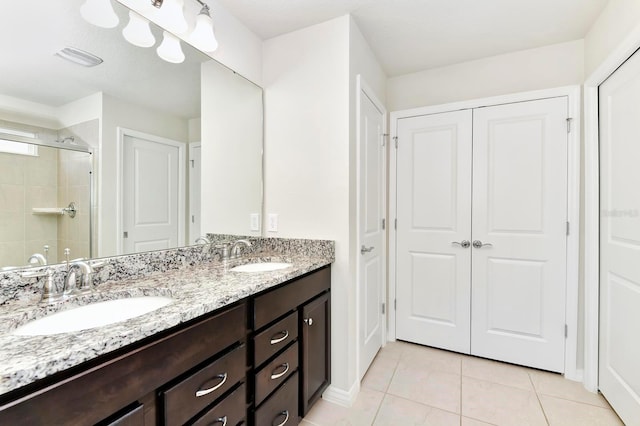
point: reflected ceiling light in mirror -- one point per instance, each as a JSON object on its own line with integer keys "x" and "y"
{"x": 99, "y": 13}
{"x": 170, "y": 49}
{"x": 138, "y": 32}
{"x": 202, "y": 36}
{"x": 171, "y": 16}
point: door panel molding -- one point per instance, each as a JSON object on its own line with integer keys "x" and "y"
{"x": 573, "y": 201}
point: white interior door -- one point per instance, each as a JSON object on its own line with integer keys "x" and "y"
{"x": 520, "y": 214}
{"x": 433, "y": 229}
{"x": 619, "y": 375}
{"x": 371, "y": 232}
{"x": 195, "y": 173}
{"x": 153, "y": 196}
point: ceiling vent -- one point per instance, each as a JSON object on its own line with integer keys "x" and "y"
{"x": 79, "y": 57}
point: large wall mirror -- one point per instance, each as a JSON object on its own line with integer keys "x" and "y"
{"x": 151, "y": 154}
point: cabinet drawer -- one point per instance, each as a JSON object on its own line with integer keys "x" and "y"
{"x": 230, "y": 411}
{"x": 274, "y": 338}
{"x": 185, "y": 399}
{"x": 281, "y": 409}
{"x": 278, "y": 302}
{"x": 276, "y": 372}
{"x": 133, "y": 417}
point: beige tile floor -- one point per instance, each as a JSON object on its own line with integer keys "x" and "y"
{"x": 410, "y": 384}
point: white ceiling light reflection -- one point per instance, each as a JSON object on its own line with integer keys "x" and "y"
{"x": 170, "y": 49}
{"x": 138, "y": 32}
{"x": 99, "y": 13}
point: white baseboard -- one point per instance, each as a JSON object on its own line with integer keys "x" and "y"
{"x": 341, "y": 397}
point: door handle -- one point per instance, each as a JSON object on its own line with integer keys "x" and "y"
{"x": 463, "y": 243}
{"x": 479, "y": 244}
{"x": 364, "y": 249}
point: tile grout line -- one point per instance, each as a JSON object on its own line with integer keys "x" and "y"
{"x": 544, "y": 413}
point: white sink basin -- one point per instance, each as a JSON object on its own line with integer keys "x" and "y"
{"x": 261, "y": 267}
{"x": 94, "y": 315}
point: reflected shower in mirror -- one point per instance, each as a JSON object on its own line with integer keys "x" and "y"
{"x": 171, "y": 160}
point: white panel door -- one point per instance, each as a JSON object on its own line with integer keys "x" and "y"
{"x": 434, "y": 226}
{"x": 371, "y": 234}
{"x": 150, "y": 195}
{"x": 195, "y": 173}
{"x": 520, "y": 213}
{"x": 619, "y": 375}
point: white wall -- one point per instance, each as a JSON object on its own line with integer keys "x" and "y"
{"x": 231, "y": 183}
{"x": 542, "y": 68}
{"x": 615, "y": 22}
{"x": 239, "y": 48}
{"x": 117, "y": 113}
{"x": 307, "y": 182}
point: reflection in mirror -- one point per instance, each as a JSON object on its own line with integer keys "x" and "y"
{"x": 136, "y": 112}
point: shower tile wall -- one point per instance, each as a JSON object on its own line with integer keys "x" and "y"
{"x": 74, "y": 185}
{"x": 27, "y": 182}
{"x": 51, "y": 179}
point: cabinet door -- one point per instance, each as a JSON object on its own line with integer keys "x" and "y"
{"x": 316, "y": 368}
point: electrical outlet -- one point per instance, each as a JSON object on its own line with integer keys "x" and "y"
{"x": 272, "y": 222}
{"x": 255, "y": 221}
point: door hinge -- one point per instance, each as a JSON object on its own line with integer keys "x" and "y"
{"x": 383, "y": 308}
{"x": 395, "y": 224}
{"x": 566, "y": 331}
{"x": 193, "y": 163}
{"x": 125, "y": 234}
{"x": 568, "y": 228}
{"x": 384, "y": 138}
{"x": 193, "y": 219}
{"x": 384, "y": 224}
{"x": 569, "y": 120}
{"x": 395, "y": 138}
{"x": 395, "y": 304}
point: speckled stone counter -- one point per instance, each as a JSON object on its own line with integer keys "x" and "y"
{"x": 197, "y": 287}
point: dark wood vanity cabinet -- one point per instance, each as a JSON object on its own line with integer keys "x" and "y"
{"x": 263, "y": 361}
{"x": 291, "y": 348}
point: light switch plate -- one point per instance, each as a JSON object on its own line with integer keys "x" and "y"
{"x": 272, "y": 222}
{"x": 255, "y": 221}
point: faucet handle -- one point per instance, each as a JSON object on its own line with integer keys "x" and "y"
{"x": 224, "y": 250}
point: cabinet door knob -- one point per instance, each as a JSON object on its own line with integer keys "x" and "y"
{"x": 275, "y": 375}
{"x": 275, "y": 340}
{"x": 222, "y": 420}
{"x": 204, "y": 392}
{"x": 308, "y": 321}
{"x": 286, "y": 417}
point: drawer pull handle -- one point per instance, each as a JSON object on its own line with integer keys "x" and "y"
{"x": 222, "y": 420}
{"x": 286, "y": 418}
{"x": 275, "y": 375}
{"x": 208, "y": 391}
{"x": 308, "y": 321}
{"x": 276, "y": 340}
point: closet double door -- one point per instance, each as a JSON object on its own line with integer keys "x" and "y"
{"x": 481, "y": 232}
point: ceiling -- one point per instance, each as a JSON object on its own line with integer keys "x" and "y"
{"x": 33, "y": 30}
{"x": 413, "y": 35}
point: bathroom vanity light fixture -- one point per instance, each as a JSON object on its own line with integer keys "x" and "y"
{"x": 100, "y": 13}
{"x": 202, "y": 36}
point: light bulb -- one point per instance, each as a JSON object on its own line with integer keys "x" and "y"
{"x": 99, "y": 13}
{"x": 137, "y": 31}
{"x": 171, "y": 16}
{"x": 170, "y": 49}
{"x": 202, "y": 36}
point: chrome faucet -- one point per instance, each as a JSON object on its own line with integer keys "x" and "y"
{"x": 71, "y": 287}
{"x": 39, "y": 259}
{"x": 203, "y": 240}
{"x": 235, "y": 248}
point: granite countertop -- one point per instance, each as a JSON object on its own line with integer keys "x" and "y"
{"x": 196, "y": 290}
